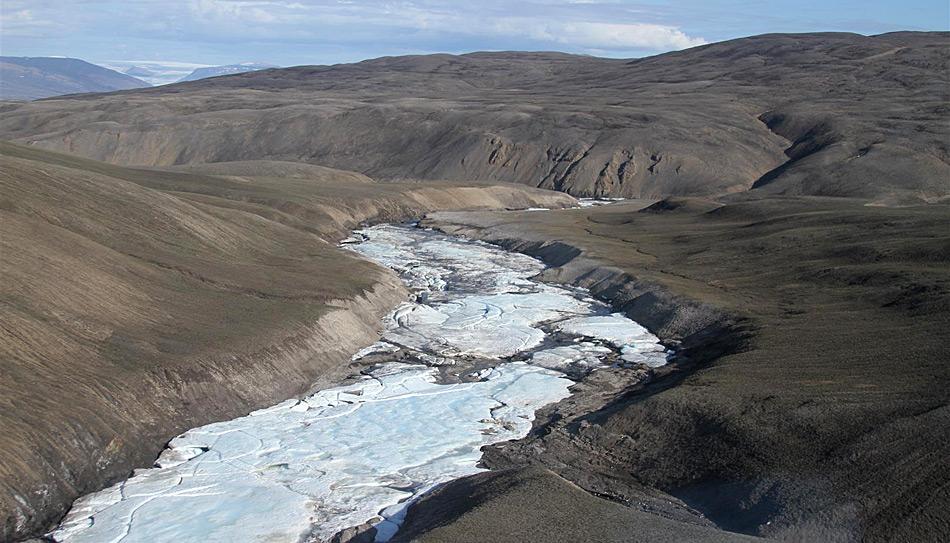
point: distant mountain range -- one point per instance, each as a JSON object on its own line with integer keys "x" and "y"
{"x": 165, "y": 72}
{"x": 30, "y": 78}
{"x": 229, "y": 69}
{"x": 155, "y": 72}
{"x": 139, "y": 71}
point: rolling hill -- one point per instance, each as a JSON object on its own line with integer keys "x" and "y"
{"x": 816, "y": 114}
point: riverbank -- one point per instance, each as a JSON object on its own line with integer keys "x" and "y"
{"x": 816, "y": 409}
{"x": 139, "y": 303}
{"x": 467, "y": 361}
{"x": 147, "y": 302}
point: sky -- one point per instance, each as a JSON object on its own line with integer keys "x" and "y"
{"x": 183, "y": 34}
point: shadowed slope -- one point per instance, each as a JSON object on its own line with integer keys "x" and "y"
{"x": 534, "y": 504}
{"x": 809, "y": 401}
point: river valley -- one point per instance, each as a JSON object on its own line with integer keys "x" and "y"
{"x": 465, "y": 363}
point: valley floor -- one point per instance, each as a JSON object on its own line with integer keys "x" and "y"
{"x": 466, "y": 363}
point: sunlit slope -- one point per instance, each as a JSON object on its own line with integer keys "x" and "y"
{"x": 138, "y": 303}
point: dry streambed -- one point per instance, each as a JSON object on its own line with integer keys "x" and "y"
{"x": 466, "y": 363}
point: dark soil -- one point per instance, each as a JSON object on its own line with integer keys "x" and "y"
{"x": 810, "y": 397}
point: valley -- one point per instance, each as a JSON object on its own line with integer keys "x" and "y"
{"x": 496, "y": 296}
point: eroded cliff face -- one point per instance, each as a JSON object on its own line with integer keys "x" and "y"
{"x": 141, "y": 303}
{"x": 574, "y": 147}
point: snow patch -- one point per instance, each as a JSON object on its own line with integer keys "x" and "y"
{"x": 636, "y": 343}
{"x": 594, "y": 202}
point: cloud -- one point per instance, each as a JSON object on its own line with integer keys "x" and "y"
{"x": 556, "y": 23}
{"x": 294, "y": 31}
{"x": 249, "y": 11}
{"x": 18, "y": 20}
{"x": 627, "y": 36}
{"x": 600, "y": 35}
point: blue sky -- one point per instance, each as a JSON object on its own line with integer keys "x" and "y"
{"x": 292, "y": 32}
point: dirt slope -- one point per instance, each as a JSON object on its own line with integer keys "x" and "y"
{"x": 138, "y": 303}
{"x": 810, "y": 401}
{"x": 817, "y": 114}
{"x": 534, "y": 504}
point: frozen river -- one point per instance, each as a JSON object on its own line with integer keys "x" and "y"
{"x": 466, "y": 363}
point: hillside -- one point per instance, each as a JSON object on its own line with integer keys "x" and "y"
{"x": 30, "y": 78}
{"x": 810, "y": 398}
{"x": 534, "y": 504}
{"x": 140, "y": 303}
{"x": 814, "y": 114}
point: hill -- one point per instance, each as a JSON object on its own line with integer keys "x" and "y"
{"x": 810, "y": 396}
{"x": 816, "y": 114}
{"x": 139, "y": 303}
{"x": 30, "y": 78}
